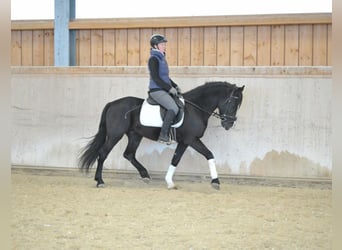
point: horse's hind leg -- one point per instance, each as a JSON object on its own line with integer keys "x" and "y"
{"x": 134, "y": 140}
{"x": 103, "y": 153}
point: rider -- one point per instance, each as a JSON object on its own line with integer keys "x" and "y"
{"x": 161, "y": 87}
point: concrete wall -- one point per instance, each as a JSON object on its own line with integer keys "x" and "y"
{"x": 283, "y": 129}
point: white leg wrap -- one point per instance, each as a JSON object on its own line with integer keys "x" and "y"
{"x": 212, "y": 168}
{"x": 169, "y": 176}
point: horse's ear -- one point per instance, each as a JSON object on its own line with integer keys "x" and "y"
{"x": 242, "y": 88}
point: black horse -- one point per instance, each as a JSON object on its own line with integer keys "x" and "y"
{"x": 121, "y": 117}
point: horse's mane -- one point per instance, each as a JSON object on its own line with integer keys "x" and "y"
{"x": 218, "y": 83}
{"x": 202, "y": 88}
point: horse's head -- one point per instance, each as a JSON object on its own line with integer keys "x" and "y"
{"x": 230, "y": 106}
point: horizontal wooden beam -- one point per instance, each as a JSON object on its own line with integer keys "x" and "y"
{"x": 32, "y": 25}
{"x": 169, "y": 22}
{"x": 179, "y": 71}
{"x": 201, "y": 21}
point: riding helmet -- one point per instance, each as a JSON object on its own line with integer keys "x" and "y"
{"x": 156, "y": 39}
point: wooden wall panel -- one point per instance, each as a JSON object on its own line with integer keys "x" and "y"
{"x": 145, "y": 35}
{"x": 210, "y": 46}
{"x": 264, "y": 46}
{"x": 291, "y": 40}
{"x": 96, "y": 47}
{"x": 38, "y": 47}
{"x": 277, "y": 45}
{"x": 133, "y": 47}
{"x": 223, "y": 46}
{"x": 16, "y": 48}
{"x": 78, "y": 47}
{"x": 305, "y": 44}
{"x": 291, "y": 45}
{"x": 84, "y": 56}
{"x": 27, "y": 48}
{"x": 250, "y": 46}
{"x": 121, "y": 47}
{"x": 158, "y": 31}
{"x": 172, "y": 48}
{"x": 108, "y": 47}
{"x": 320, "y": 40}
{"x": 184, "y": 47}
{"x": 236, "y": 47}
{"x": 329, "y": 44}
{"x": 48, "y": 48}
{"x": 197, "y": 36}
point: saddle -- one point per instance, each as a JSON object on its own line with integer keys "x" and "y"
{"x": 152, "y": 114}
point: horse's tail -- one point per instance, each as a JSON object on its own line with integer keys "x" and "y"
{"x": 90, "y": 152}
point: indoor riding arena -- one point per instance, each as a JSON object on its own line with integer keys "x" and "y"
{"x": 274, "y": 165}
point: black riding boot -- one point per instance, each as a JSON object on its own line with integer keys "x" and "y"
{"x": 165, "y": 130}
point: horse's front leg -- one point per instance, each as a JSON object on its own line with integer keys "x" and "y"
{"x": 203, "y": 150}
{"x": 172, "y": 168}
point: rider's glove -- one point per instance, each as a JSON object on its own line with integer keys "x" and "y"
{"x": 179, "y": 91}
{"x": 173, "y": 91}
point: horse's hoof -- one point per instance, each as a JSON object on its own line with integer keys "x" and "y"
{"x": 146, "y": 180}
{"x": 215, "y": 186}
{"x": 172, "y": 186}
{"x": 215, "y": 183}
{"x": 100, "y": 185}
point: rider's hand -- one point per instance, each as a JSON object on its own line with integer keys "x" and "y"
{"x": 173, "y": 91}
{"x": 179, "y": 91}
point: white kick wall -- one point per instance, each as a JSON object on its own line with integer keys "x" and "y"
{"x": 283, "y": 127}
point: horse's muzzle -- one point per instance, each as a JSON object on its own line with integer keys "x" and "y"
{"x": 227, "y": 124}
{"x": 228, "y": 121}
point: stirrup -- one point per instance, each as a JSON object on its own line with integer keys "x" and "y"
{"x": 173, "y": 135}
{"x": 164, "y": 140}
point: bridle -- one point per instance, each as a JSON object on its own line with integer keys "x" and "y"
{"x": 223, "y": 117}
{"x": 230, "y": 100}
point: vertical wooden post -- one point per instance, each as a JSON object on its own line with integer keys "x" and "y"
{"x": 64, "y": 40}
{"x": 72, "y": 33}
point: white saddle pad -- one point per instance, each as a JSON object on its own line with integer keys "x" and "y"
{"x": 150, "y": 116}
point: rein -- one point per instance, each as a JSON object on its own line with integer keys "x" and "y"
{"x": 217, "y": 115}
{"x": 214, "y": 114}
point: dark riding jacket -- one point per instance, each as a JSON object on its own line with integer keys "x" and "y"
{"x": 159, "y": 72}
